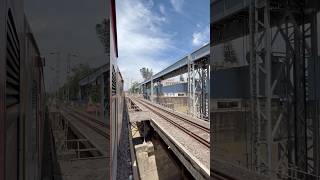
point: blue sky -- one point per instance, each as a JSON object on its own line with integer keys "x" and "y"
{"x": 156, "y": 33}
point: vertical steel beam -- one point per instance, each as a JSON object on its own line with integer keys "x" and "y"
{"x": 252, "y": 82}
{"x": 58, "y": 73}
{"x": 202, "y": 93}
{"x": 190, "y": 100}
{"x": 315, "y": 106}
{"x": 268, "y": 90}
{"x": 261, "y": 92}
{"x": 151, "y": 90}
{"x": 193, "y": 86}
{"x": 208, "y": 90}
{"x": 288, "y": 134}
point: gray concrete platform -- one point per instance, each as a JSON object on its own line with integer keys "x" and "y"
{"x": 100, "y": 142}
{"x": 85, "y": 169}
{"x": 192, "y": 154}
{"x": 91, "y": 165}
{"x": 139, "y": 116}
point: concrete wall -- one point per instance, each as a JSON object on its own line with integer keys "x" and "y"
{"x": 177, "y": 103}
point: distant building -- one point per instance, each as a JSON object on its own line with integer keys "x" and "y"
{"x": 172, "y": 88}
{"x": 178, "y": 89}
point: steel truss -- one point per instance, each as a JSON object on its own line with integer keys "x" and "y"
{"x": 158, "y": 90}
{"x": 285, "y": 142}
{"x": 191, "y": 88}
{"x": 198, "y": 88}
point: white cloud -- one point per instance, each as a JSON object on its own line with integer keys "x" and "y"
{"x": 162, "y": 9}
{"x": 201, "y": 37}
{"x": 177, "y": 5}
{"x": 141, "y": 40}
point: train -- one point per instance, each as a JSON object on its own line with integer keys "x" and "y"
{"x": 22, "y": 96}
{"x": 116, "y": 93}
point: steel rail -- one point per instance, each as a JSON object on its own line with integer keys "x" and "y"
{"x": 88, "y": 116}
{"x": 207, "y": 130}
{"x": 96, "y": 129}
{"x": 187, "y": 131}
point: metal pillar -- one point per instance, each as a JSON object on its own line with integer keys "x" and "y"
{"x": 144, "y": 91}
{"x": 80, "y": 93}
{"x": 290, "y": 131}
{"x": 202, "y": 89}
{"x": 198, "y": 88}
{"x": 68, "y": 76}
{"x": 158, "y": 90}
{"x": 295, "y": 35}
{"x": 314, "y": 107}
{"x": 65, "y": 131}
{"x": 57, "y": 72}
{"x": 191, "y": 87}
{"x": 151, "y": 89}
{"x": 68, "y": 73}
{"x": 260, "y": 73}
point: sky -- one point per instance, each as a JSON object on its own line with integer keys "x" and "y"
{"x": 157, "y": 33}
{"x": 67, "y": 26}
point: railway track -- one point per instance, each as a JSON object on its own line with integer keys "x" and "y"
{"x": 87, "y": 123}
{"x": 207, "y": 130}
{"x": 163, "y": 114}
{"x": 132, "y": 106}
{"x": 166, "y": 114}
{"x": 88, "y": 117}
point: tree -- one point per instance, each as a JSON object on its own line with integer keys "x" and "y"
{"x": 134, "y": 87}
{"x": 78, "y": 73}
{"x": 103, "y": 33}
{"x": 146, "y": 73}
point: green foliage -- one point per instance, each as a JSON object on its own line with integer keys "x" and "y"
{"x": 102, "y": 31}
{"x": 134, "y": 87}
{"x": 77, "y": 73}
{"x": 146, "y": 73}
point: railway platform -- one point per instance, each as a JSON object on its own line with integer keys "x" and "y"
{"x": 81, "y": 143}
{"x": 188, "y": 138}
{"x": 95, "y": 134}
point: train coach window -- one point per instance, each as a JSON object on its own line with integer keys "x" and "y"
{"x": 12, "y": 99}
{"x": 114, "y": 82}
{"x": 12, "y": 64}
